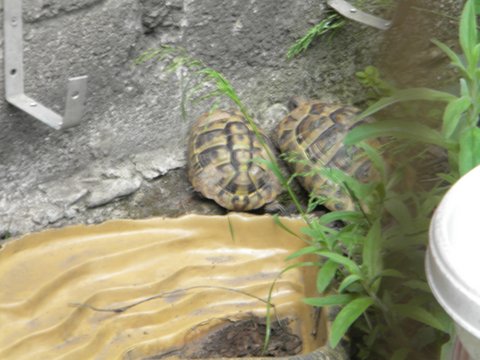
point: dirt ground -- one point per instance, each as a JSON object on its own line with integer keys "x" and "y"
{"x": 240, "y": 338}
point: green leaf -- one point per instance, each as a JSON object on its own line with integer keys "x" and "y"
{"x": 347, "y": 216}
{"x": 349, "y": 280}
{"x": 399, "y": 210}
{"x": 418, "y": 285}
{"x": 453, "y": 114}
{"x": 325, "y": 275}
{"x": 475, "y": 60}
{"x": 419, "y": 314}
{"x": 386, "y": 273}
{"x": 346, "y": 317}
{"x": 468, "y": 30}
{"x": 469, "y": 155}
{"x": 406, "y": 95}
{"x": 342, "y": 260}
{"x": 464, "y": 92}
{"x": 399, "y": 129}
{"x": 372, "y": 247}
{"x": 375, "y": 157}
{"x": 392, "y": 273}
{"x": 317, "y": 231}
{"x": 349, "y": 184}
{"x": 454, "y": 58}
{"x": 329, "y": 300}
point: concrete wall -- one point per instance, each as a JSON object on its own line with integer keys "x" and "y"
{"x": 132, "y": 135}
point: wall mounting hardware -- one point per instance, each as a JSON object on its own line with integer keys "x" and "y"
{"x": 14, "y": 76}
{"x": 352, "y": 12}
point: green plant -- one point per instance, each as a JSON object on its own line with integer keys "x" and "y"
{"x": 327, "y": 25}
{"x": 378, "y": 301}
{"x": 390, "y": 310}
{"x": 332, "y": 22}
{"x": 401, "y": 235}
{"x": 376, "y": 86}
{"x": 458, "y": 133}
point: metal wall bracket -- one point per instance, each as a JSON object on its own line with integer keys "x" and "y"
{"x": 352, "y": 12}
{"x": 14, "y": 79}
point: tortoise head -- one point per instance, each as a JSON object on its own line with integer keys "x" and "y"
{"x": 295, "y": 101}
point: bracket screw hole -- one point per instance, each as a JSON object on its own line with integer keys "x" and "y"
{"x": 13, "y": 72}
{"x": 75, "y": 95}
{"x": 14, "y": 21}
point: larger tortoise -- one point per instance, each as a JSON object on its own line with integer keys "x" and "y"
{"x": 221, "y": 165}
{"x": 312, "y": 135}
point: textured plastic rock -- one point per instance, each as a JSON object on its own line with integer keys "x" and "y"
{"x": 182, "y": 272}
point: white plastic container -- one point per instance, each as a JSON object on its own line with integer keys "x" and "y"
{"x": 453, "y": 259}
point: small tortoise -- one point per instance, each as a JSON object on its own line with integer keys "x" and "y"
{"x": 221, "y": 166}
{"x": 312, "y": 135}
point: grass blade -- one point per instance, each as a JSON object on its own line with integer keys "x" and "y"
{"x": 304, "y": 251}
{"x": 230, "y": 228}
{"x": 413, "y": 94}
{"x": 278, "y": 222}
{"x": 421, "y": 315}
{"x": 417, "y": 285}
{"x": 332, "y": 22}
{"x": 347, "y": 216}
{"x": 399, "y": 129}
{"x": 376, "y": 158}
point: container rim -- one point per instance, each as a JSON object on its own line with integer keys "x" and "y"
{"x": 445, "y": 272}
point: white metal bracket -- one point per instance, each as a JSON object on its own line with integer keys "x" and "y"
{"x": 352, "y": 12}
{"x": 14, "y": 79}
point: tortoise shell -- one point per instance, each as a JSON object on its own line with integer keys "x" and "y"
{"x": 313, "y": 135}
{"x": 221, "y": 166}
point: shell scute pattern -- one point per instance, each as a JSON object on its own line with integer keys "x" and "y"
{"x": 221, "y": 166}
{"x": 312, "y": 135}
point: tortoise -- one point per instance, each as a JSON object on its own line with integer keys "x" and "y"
{"x": 313, "y": 132}
{"x": 221, "y": 152}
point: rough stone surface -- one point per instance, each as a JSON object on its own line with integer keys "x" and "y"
{"x": 155, "y": 163}
{"x": 42, "y": 9}
{"x": 119, "y": 161}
